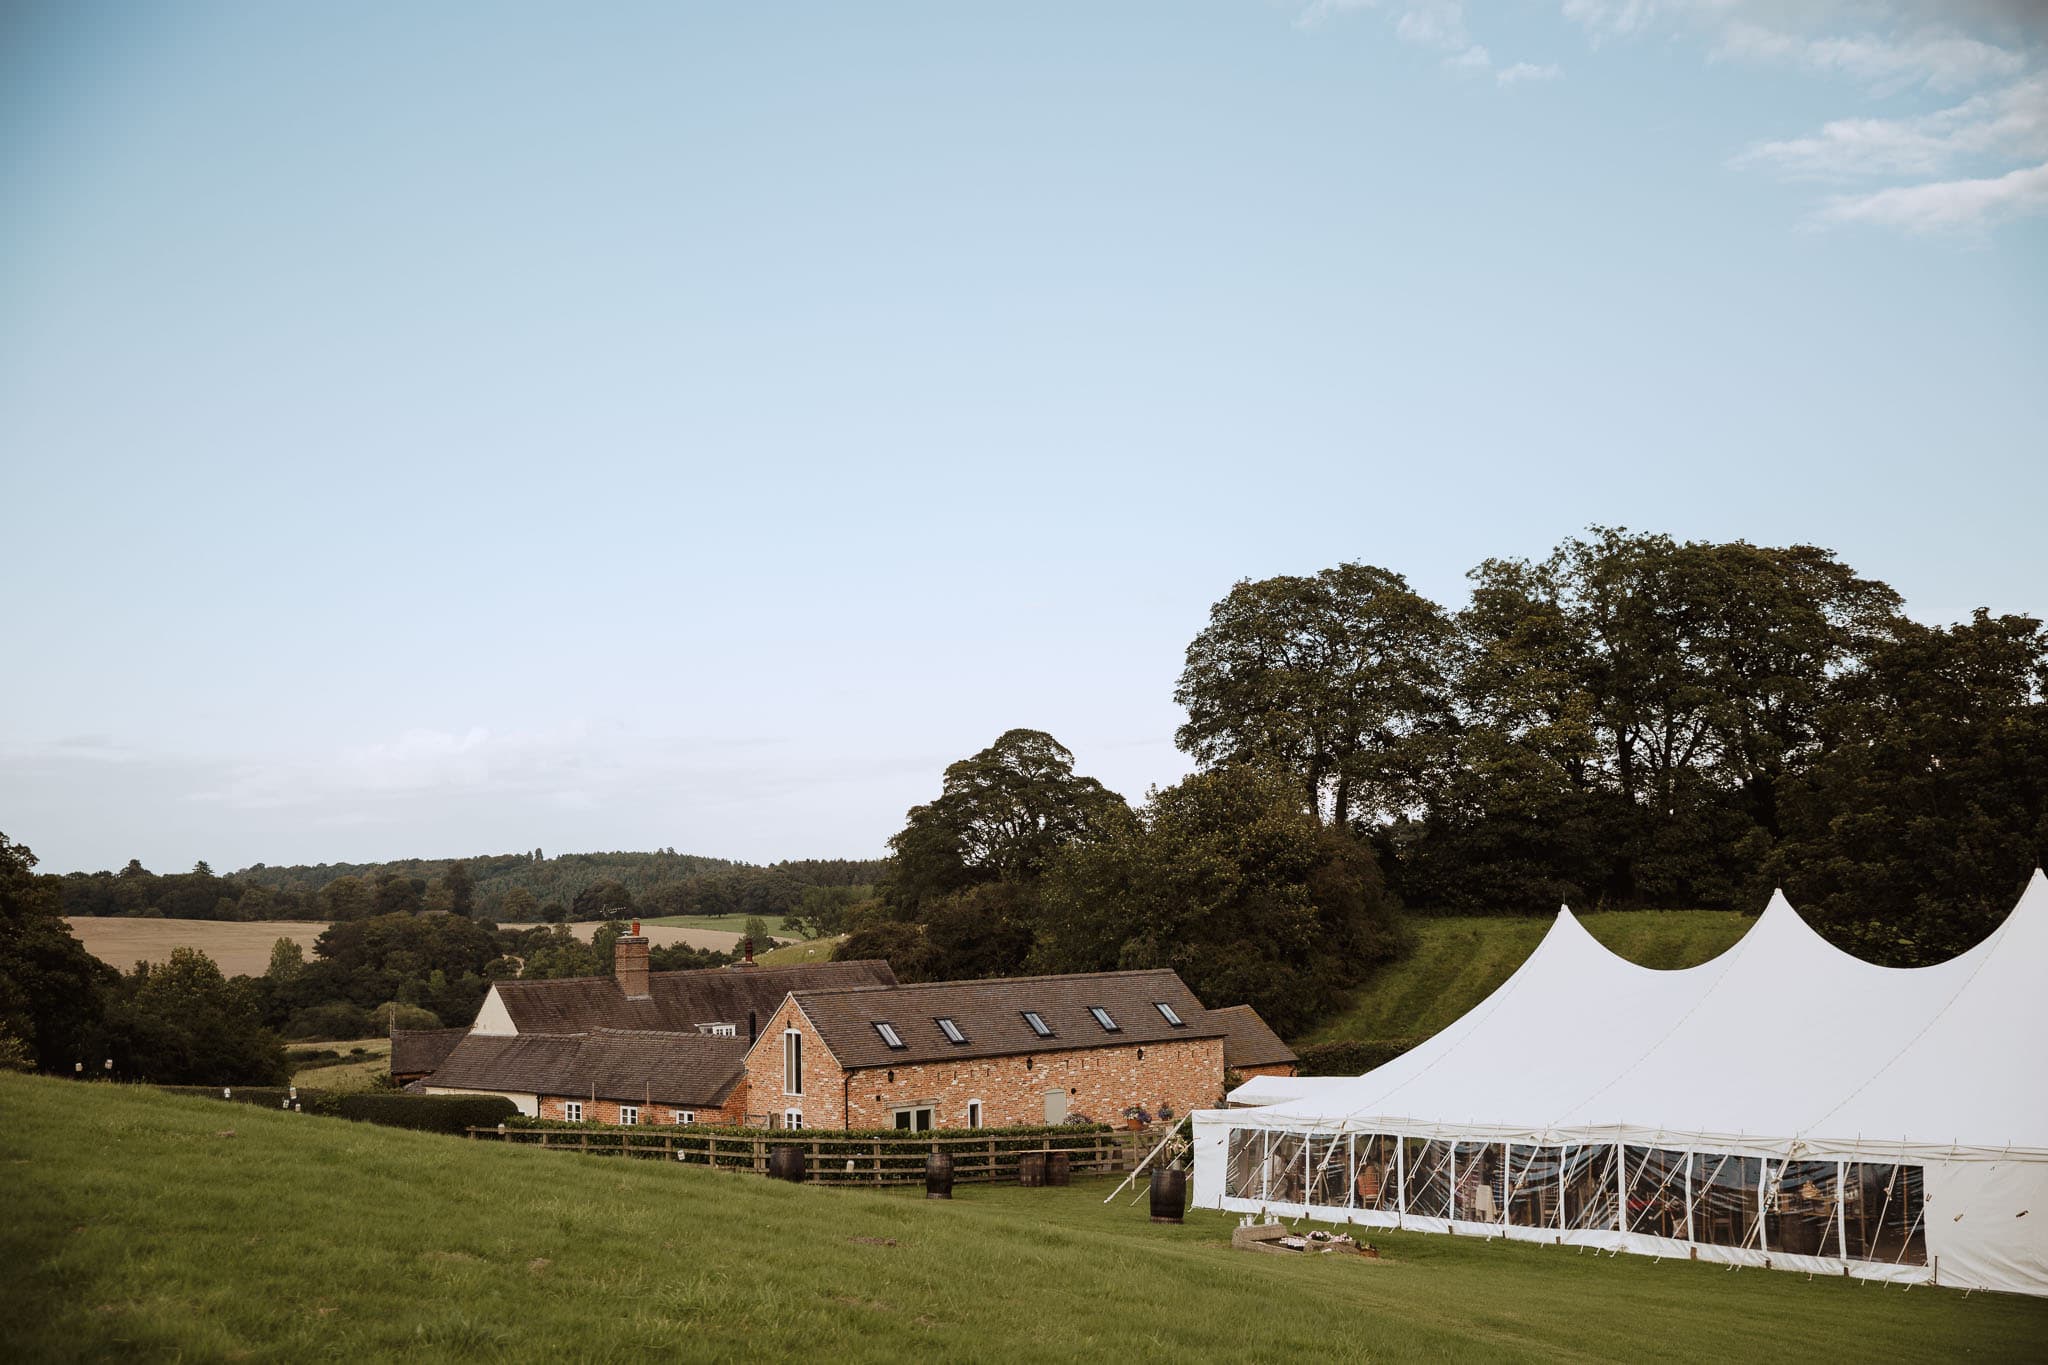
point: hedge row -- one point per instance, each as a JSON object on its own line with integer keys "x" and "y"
{"x": 392, "y": 1109}
{"x": 1352, "y": 1057}
{"x": 1084, "y": 1134}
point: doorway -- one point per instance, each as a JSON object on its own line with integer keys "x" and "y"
{"x": 1055, "y": 1106}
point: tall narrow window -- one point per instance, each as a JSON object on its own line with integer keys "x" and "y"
{"x": 974, "y": 1113}
{"x": 792, "y": 1062}
{"x": 629, "y": 1115}
{"x": 952, "y": 1031}
{"x": 1166, "y": 1012}
{"x": 1102, "y": 1018}
{"x": 890, "y": 1035}
{"x": 572, "y": 1110}
{"x": 1038, "y": 1024}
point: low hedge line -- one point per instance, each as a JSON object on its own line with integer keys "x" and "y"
{"x": 1352, "y": 1057}
{"x": 1083, "y": 1134}
{"x": 427, "y": 1113}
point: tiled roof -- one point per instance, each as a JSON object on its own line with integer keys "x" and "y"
{"x": 416, "y": 1051}
{"x": 1249, "y": 1041}
{"x": 677, "y": 1001}
{"x": 688, "y": 1069}
{"x": 991, "y": 1016}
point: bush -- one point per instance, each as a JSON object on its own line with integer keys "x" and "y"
{"x": 427, "y": 1113}
{"x": 391, "y": 1015}
{"x": 390, "y": 1109}
{"x": 335, "y": 1020}
{"x": 1352, "y": 1057}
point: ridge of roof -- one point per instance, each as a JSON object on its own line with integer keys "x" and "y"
{"x": 994, "y": 981}
{"x": 754, "y": 972}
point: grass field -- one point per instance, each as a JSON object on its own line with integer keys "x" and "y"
{"x": 805, "y": 950}
{"x": 237, "y": 947}
{"x": 729, "y": 924}
{"x": 345, "y": 1075}
{"x": 153, "y": 1226}
{"x": 1457, "y": 962}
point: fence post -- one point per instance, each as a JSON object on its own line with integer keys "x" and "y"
{"x": 878, "y": 1163}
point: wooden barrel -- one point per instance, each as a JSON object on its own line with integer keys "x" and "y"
{"x": 1059, "y": 1168}
{"x": 1169, "y": 1194}
{"x": 786, "y": 1163}
{"x": 1031, "y": 1168}
{"x": 938, "y": 1176}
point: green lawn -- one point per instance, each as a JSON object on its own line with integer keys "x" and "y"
{"x": 808, "y": 950}
{"x": 155, "y": 1226}
{"x": 1457, "y": 962}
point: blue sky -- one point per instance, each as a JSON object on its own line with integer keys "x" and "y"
{"x": 443, "y": 429}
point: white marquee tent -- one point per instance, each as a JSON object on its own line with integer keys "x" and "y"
{"x": 1785, "y": 1104}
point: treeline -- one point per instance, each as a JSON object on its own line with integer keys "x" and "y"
{"x": 522, "y": 887}
{"x": 184, "y": 1022}
{"x": 1022, "y": 865}
{"x": 1631, "y": 722}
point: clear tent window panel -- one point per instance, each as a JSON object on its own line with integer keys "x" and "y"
{"x": 1329, "y": 1169}
{"x": 1376, "y": 1176}
{"x": 1655, "y": 1179}
{"x": 1479, "y": 1191}
{"x": 1801, "y": 1201}
{"x": 1726, "y": 1194}
{"x": 1285, "y": 1173}
{"x": 1429, "y": 1178}
{"x": 1533, "y": 1185}
{"x": 1882, "y": 1213}
{"x": 1588, "y": 1195}
{"x": 1245, "y": 1176}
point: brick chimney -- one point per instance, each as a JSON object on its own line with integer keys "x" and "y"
{"x": 629, "y": 963}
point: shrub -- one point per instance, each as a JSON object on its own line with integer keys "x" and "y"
{"x": 337, "y": 1019}
{"x": 1351, "y": 1057}
{"x": 391, "y": 1015}
{"x": 391, "y": 1109}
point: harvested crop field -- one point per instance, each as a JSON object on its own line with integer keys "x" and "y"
{"x": 242, "y": 947}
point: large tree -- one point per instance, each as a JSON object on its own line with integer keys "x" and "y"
{"x": 52, "y": 992}
{"x": 1911, "y": 837}
{"x": 1341, "y": 678}
{"x": 1231, "y": 880}
{"x": 1000, "y": 816}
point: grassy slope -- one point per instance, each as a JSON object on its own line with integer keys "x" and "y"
{"x": 152, "y": 1225}
{"x": 1457, "y": 962}
{"x": 360, "y": 1075}
{"x": 790, "y": 954}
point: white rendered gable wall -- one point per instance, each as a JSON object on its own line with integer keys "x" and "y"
{"x": 493, "y": 1020}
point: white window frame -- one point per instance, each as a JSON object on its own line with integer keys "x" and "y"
{"x": 720, "y": 1030}
{"x": 792, "y": 1062}
{"x": 684, "y": 1116}
{"x": 930, "y": 1111}
{"x": 572, "y": 1111}
{"x": 792, "y": 1118}
{"x": 974, "y": 1113}
{"x": 629, "y": 1116}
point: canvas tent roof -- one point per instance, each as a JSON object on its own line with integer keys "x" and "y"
{"x": 1782, "y": 1051}
{"x": 1782, "y": 1036}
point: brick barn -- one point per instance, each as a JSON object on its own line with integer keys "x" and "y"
{"x": 972, "y": 1054}
{"x": 843, "y": 1044}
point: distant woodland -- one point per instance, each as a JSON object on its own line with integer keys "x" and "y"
{"x": 514, "y": 887}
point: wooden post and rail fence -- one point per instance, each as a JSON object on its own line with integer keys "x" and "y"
{"x": 829, "y": 1160}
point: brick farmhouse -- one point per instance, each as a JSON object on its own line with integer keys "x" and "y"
{"x": 843, "y": 1044}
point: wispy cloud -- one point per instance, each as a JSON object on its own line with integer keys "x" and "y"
{"x": 1947, "y": 205}
{"x": 1438, "y": 26}
{"x": 1527, "y": 71}
{"x": 1957, "y": 168}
